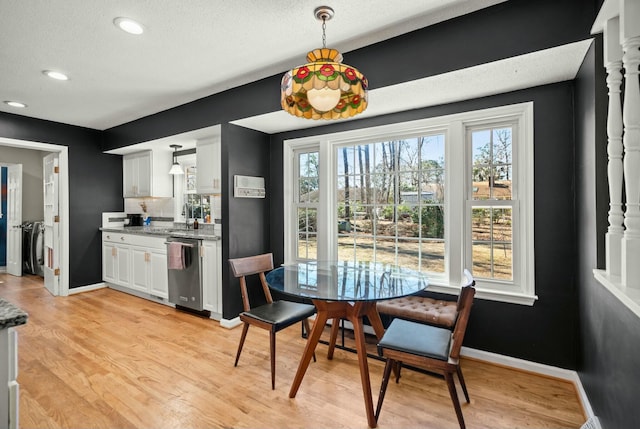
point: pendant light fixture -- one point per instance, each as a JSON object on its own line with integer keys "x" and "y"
{"x": 175, "y": 167}
{"x": 324, "y": 88}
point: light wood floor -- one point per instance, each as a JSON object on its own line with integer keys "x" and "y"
{"x": 105, "y": 359}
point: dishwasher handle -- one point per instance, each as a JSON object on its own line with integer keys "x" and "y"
{"x": 181, "y": 243}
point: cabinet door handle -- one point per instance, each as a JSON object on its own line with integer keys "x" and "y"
{"x": 147, "y": 256}
{"x": 122, "y": 238}
{"x": 113, "y": 251}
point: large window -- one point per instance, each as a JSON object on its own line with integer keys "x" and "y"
{"x": 436, "y": 195}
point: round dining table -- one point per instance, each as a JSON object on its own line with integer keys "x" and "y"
{"x": 344, "y": 290}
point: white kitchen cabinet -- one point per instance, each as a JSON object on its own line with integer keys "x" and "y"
{"x": 115, "y": 259}
{"x": 146, "y": 174}
{"x": 122, "y": 264}
{"x": 149, "y": 268}
{"x": 159, "y": 280}
{"x": 140, "y": 269}
{"x": 212, "y": 277}
{"x": 208, "y": 166}
{"x": 109, "y": 262}
{"x": 136, "y": 262}
{"x": 9, "y": 394}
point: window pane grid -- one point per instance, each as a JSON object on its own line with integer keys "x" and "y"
{"x": 492, "y": 154}
{"x": 390, "y": 202}
{"x": 491, "y": 242}
{"x": 306, "y": 204}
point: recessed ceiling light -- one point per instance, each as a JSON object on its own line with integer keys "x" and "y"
{"x": 55, "y": 75}
{"x": 15, "y": 104}
{"x": 128, "y": 25}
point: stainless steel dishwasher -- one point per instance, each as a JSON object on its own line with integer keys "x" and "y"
{"x": 185, "y": 284}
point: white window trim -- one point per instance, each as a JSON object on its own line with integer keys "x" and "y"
{"x": 455, "y": 127}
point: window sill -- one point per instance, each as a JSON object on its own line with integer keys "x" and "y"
{"x": 628, "y": 296}
{"x": 492, "y": 295}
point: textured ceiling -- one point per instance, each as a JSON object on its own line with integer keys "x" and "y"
{"x": 190, "y": 49}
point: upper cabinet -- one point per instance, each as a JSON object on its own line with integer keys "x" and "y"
{"x": 146, "y": 174}
{"x": 208, "y": 169}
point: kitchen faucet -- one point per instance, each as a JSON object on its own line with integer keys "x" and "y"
{"x": 185, "y": 207}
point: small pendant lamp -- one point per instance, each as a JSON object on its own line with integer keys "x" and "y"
{"x": 324, "y": 88}
{"x": 175, "y": 167}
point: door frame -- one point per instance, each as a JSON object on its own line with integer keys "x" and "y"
{"x": 14, "y": 214}
{"x": 63, "y": 187}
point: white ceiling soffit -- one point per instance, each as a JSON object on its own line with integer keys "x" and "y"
{"x": 524, "y": 71}
{"x": 187, "y": 140}
{"x": 190, "y": 49}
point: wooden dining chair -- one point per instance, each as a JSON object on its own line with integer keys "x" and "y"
{"x": 273, "y": 315}
{"x": 428, "y": 347}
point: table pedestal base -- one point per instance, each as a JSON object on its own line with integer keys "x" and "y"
{"x": 353, "y": 312}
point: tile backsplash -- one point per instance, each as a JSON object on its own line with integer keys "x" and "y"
{"x": 162, "y": 208}
{"x": 155, "y": 207}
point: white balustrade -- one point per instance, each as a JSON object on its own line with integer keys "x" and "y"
{"x": 619, "y": 20}
{"x": 613, "y": 64}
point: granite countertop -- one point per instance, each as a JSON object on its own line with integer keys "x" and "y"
{"x": 205, "y": 233}
{"x": 10, "y": 315}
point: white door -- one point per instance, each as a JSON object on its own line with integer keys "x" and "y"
{"x": 14, "y": 219}
{"x": 51, "y": 224}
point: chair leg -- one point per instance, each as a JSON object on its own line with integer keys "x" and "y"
{"x": 383, "y": 386}
{"x": 272, "y": 352}
{"x": 454, "y": 398}
{"x": 462, "y": 383}
{"x": 245, "y": 328}
{"x": 396, "y": 369}
{"x": 305, "y": 323}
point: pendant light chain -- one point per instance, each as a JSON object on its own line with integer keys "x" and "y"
{"x": 324, "y": 28}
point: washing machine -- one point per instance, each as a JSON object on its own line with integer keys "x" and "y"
{"x": 33, "y": 248}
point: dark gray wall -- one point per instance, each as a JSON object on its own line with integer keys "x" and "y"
{"x": 245, "y": 229}
{"x": 95, "y": 186}
{"x": 609, "y": 331}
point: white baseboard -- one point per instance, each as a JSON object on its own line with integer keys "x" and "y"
{"x": 87, "y": 288}
{"x": 230, "y": 323}
{"x": 511, "y": 362}
{"x": 534, "y": 367}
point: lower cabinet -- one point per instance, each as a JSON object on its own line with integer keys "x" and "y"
{"x": 149, "y": 270}
{"x": 9, "y": 395}
{"x": 135, "y": 262}
{"x": 212, "y": 277}
{"x": 157, "y": 264}
{"x": 138, "y": 264}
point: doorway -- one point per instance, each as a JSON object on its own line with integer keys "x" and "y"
{"x": 63, "y": 241}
